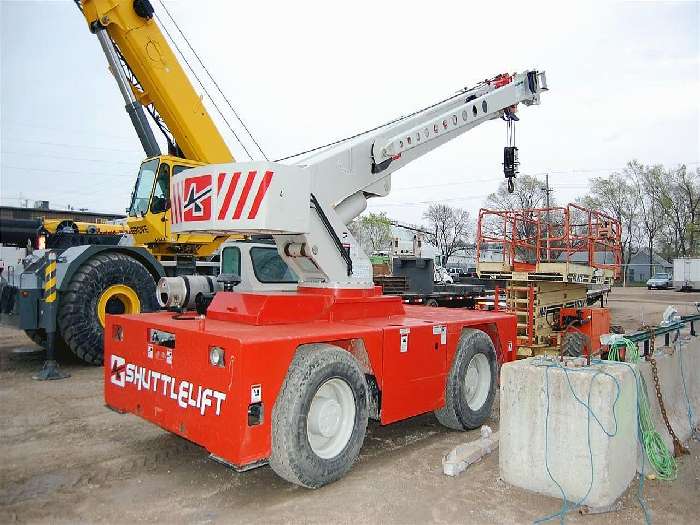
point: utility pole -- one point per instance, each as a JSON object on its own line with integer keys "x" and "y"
{"x": 547, "y": 190}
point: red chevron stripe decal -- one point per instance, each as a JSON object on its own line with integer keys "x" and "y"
{"x": 262, "y": 190}
{"x": 244, "y": 194}
{"x": 223, "y": 210}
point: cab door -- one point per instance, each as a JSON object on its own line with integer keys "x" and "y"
{"x": 158, "y": 219}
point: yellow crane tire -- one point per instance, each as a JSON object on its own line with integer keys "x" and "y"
{"x": 110, "y": 282}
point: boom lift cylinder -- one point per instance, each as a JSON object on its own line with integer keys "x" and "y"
{"x": 133, "y": 107}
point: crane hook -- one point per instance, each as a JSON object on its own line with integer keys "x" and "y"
{"x": 511, "y": 185}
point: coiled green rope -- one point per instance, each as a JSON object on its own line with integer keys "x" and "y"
{"x": 660, "y": 457}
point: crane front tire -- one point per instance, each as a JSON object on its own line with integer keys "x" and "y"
{"x": 319, "y": 419}
{"x": 106, "y": 283}
{"x": 471, "y": 383}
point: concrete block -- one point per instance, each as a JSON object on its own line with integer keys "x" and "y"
{"x": 523, "y": 412}
{"x": 459, "y": 458}
{"x": 668, "y": 366}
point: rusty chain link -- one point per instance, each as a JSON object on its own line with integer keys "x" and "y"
{"x": 678, "y": 448}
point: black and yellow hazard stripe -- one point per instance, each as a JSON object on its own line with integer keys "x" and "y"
{"x": 50, "y": 282}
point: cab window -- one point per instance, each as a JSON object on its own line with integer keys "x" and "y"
{"x": 231, "y": 260}
{"x": 160, "y": 201}
{"x": 269, "y": 266}
{"x": 144, "y": 185}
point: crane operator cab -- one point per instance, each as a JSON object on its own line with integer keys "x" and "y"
{"x": 149, "y": 211}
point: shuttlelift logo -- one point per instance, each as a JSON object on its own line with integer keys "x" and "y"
{"x": 185, "y": 393}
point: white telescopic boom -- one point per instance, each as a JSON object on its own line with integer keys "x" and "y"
{"x": 307, "y": 206}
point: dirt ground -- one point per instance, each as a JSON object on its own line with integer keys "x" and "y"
{"x": 66, "y": 458}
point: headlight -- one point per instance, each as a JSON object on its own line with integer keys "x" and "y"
{"x": 216, "y": 356}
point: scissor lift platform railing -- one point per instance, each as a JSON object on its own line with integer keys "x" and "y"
{"x": 548, "y": 258}
{"x": 565, "y": 272}
{"x": 571, "y": 244}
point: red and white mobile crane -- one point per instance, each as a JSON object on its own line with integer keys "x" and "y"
{"x": 290, "y": 378}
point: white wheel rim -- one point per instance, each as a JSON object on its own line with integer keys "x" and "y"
{"x": 331, "y": 418}
{"x": 477, "y": 381}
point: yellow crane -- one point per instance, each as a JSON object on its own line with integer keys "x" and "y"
{"x": 100, "y": 277}
{"x": 149, "y": 76}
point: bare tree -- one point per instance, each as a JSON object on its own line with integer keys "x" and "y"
{"x": 677, "y": 194}
{"x": 373, "y": 231}
{"x": 616, "y": 196}
{"x": 646, "y": 182}
{"x": 529, "y": 193}
{"x": 448, "y": 228}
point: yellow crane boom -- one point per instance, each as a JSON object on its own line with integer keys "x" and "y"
{"x": 161, "y": 80}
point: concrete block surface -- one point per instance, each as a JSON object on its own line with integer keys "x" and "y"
{"x": 523, "y": 412}
{"x": 671, "y": 381}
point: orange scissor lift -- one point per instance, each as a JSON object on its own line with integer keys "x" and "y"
{"x": 549, "y": 257}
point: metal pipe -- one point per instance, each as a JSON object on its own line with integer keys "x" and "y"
{"x": 133, "y": 107}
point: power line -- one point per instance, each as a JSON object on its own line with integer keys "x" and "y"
{"x": 64, "y": 130}
{"x": 206, "y": 92}
{"x": 69, "y": 172}
{"x": 64, "y": 145}
{"x": 213, "y": 81}
{"x": 398, "y": 119}
{"x": 64, "y": 157}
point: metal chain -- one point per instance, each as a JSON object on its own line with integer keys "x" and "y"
{"x": 678, "y": 448}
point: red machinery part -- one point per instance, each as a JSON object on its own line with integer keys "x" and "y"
{"x": 160, "y": 365}
{"x": 593, "y": 323}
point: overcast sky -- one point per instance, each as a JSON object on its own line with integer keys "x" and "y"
{"x": 624, "y": 82}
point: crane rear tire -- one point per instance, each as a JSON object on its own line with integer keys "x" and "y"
{"x": 471, "y": 383}
{"x": 319, "y": 419}
{"x": 111, "y": 283}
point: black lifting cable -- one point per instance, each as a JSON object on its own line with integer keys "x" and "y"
{"x": 238, "y": 117}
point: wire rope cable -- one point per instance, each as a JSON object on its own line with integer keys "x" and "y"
{"x": 216, "y": 84}
{"x": 389, "y": 123}
{"x": 187, "y": 63}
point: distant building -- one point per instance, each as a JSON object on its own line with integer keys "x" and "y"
{"x": 638, "y": 270}
{"x": 41, "y": 210}
{"x": 406, "y": 241}
{"x": 465, "y": 258}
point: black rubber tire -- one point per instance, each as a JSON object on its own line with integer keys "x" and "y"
{"x": 431, "y": 303}
{"x": 573, "y": 344}
{"x": 292, "y": 457}
{"x": 78, "y": 321}
{"x": 456, "y": 414}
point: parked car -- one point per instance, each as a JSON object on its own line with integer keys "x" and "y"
{"x": 660, "y": 281}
